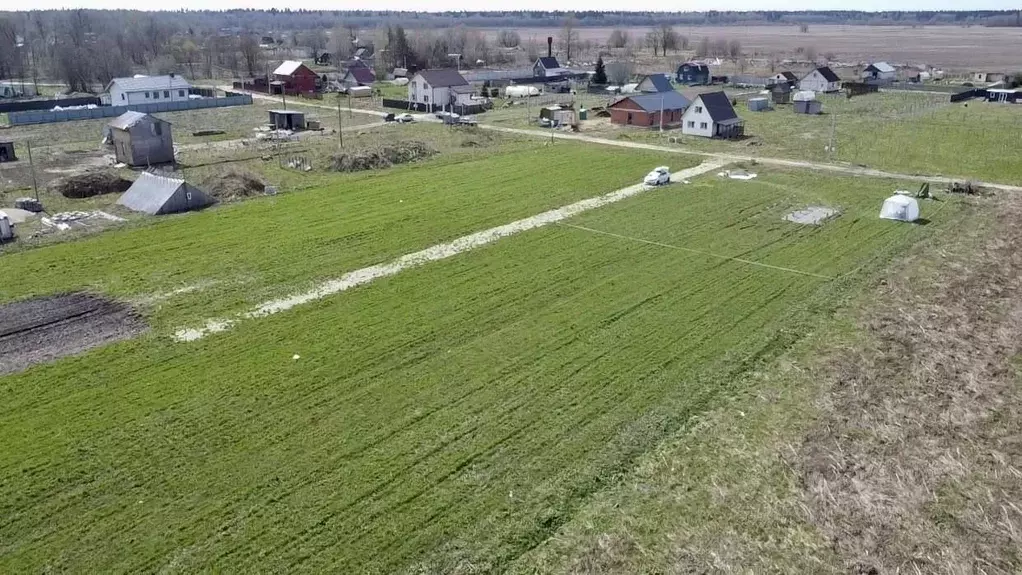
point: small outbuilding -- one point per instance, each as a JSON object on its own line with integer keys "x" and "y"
{"x": 712, "y": 116}
{"x": 6, "y": 228}
{"x": 780, "y": 93}
{"x": 7, "y": 152}
{"x": 759, "y": 104}
{"x": 287, "y": 120}
{"x": 558, "y": 115}
{"x": 806, "y": 103}
{"x": 900, "y": 207}
{"x": 141, "y": 140}
{"x": 159, "y": 195}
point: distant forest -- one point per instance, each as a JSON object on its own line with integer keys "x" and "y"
{"x": 282, "y": 20}
{"x": 82, "y": 48}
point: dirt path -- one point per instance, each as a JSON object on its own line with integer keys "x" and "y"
{"x": 435, "y": 253}
{"x": 839, "y": 168}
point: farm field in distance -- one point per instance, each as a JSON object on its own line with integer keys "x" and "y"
{"x": 456, "y": 414}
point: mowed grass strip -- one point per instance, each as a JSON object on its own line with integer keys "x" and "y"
{"x": 456, "y": 414}
{"x": 268, "y": 247}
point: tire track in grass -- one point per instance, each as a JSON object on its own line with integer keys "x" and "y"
{"x": 435, "y": 253}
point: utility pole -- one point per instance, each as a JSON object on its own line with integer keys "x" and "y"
{"x": 35, "y": 185}
{"x": 833, "y": 128}
{"x": 661, "y": 116}
{"x": 283, "y": 97}
{"x": 340, "y": 126}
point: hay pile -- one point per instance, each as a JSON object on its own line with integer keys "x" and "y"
{"x": 90, "y": 184}
{"x": 382, "y": 157}
{"x": 233, "y": 184}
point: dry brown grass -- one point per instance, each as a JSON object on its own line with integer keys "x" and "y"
{"x": 913, "y": 466}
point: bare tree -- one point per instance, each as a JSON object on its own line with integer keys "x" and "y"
{"x": 569, "y": 36}
{"x": 810, "y": 53}
{"x": 668, "y": 38}
{"x": 315, "y": 40}
{"x": 340, "y": 44}
{"x": 734, "y": 49}
{"x": 772, "y": 62}
{"x": 719, "y": 48}
{"x": 683, "y": 41}
{"x": 803, "y": 28}
{"x": 703, "y": 48}
{"x": 620, "y": 71}
{"x": 653, "y": 41}
{"x": 250, "y": 53}
{"x": 508, "y": 39}
{"x": 618, "y": 38}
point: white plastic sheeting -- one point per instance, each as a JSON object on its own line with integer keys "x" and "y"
{"x": 901, "y": 208}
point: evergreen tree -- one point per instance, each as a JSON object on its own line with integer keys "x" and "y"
{"x": 600, "y": 77}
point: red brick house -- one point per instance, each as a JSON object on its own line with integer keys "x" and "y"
{"x": 645, "y": 110}
{"x": 295, "y": 76}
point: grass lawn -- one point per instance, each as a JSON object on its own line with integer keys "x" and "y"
{"x": 274, "y": 245}
{"x": 454, "y": 415}
{"x": 235, "y": 121}
{"x": 896, "y": 131}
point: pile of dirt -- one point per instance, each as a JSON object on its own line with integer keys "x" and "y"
{"x": 233, "y": 184}
{"x": 48, "y": 328}
{"x": 90, "y": 184}
{"x": 382, "y": 157}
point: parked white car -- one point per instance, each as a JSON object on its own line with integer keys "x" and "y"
{"x": 658, "y": 177}
{"x": 404, "y": 118}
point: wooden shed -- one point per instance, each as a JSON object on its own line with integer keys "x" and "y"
{"x": 141, "y": 140}
{"x": 287, "y": 120}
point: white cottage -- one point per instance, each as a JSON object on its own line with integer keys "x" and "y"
{"x": 822, "y": 79}
{"x": 440, "y": 88}
{"x": 712, "y": 116}
{"x": 147, "y": 89}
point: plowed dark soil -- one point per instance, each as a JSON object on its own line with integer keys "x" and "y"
{"x": 48, "y": 328}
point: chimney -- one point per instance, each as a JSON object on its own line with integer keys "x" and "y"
{"x": 549, "y": 45}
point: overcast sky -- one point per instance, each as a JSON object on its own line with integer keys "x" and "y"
{"x": 439, "y": 5}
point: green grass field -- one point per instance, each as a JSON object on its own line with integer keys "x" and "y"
{"x": 450, "y": 418}
{"x": 235, "y": 121}
{"x": 270, "y": 246}
{"x": 895, "y": 131}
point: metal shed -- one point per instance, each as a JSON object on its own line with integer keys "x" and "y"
{"x": 806, "y": 103}
{"x": 287, "y": 120}
{"x": 7, "y": 152}
{"x": 759, "y": 104}
{"x": 158, "y": 195}
{"x": 141, "y": 140}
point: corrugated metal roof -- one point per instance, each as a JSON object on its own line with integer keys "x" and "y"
{"x": 660, "y": 83}
{"x": 362, "y": 75}
{"x": 881, "y": 67}
{"x": 654, "y": 102}
{"x": 126, "y": 120}
{"x": 150, "y": 83}
{"x": 154, "y": 194}
{"x": 287, "y": 68}
{"x": 443, "y": 78}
